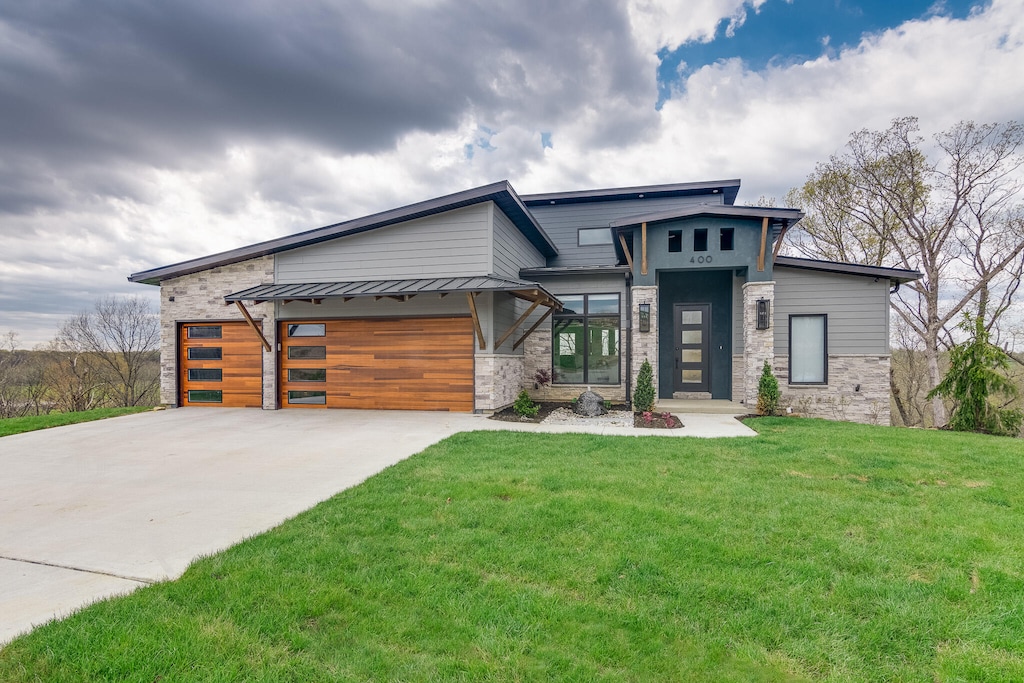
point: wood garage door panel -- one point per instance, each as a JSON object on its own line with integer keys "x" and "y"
{"x": 388, "y": 364}
{"x": 241, "y": 364}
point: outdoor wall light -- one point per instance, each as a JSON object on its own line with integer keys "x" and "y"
{"x": 764, "y": 310}
{"x": 645, "y": 317}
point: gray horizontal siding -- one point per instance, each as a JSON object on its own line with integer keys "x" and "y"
{"x": 448, "y": 244}
{"x": 857, "y": 308}
{"x": 512, "y": 251}
{"x": 562, "y": 221}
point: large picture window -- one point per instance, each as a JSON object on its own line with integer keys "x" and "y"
{"x": 585, "y": 339}
{"x": 808, "y": 349}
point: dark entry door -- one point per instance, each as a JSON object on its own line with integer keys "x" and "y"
{"x": 692, "y": 368}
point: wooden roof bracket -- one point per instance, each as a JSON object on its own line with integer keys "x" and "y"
{"x": 476, "y": 320}
{"x": 253, "y": 325}
{"x": 764, "y": 243}
{"x": 778, "y": 242}
{"x": 629, "y": 257}
{"x": 531, "y": 330}
{"x": 516, "y": 324}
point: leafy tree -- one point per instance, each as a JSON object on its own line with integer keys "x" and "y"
{"x": 975, "y": 377}
{"x": 957, "y": 218}
{"x": 767, "y": 391}
{"x": 643, "y": 394}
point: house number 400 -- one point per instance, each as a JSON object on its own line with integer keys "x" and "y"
{"x": 700, "y": 259}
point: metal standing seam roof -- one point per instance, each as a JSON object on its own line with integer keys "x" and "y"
{"x": 389, "y": 288}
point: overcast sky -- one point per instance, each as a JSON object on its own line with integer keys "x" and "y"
{"x": 142, "y": 133}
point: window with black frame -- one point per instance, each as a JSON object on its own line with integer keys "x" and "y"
{"x": 585, "y": 340}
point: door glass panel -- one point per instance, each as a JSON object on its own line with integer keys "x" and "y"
{"x": 691, "y": 355}
{"x": 690, "y": 337}
{"x": 690, "y": 317}
{"x": 691, "y": 376}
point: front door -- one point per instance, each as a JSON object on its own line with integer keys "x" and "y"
{"x": 692, "y": 366}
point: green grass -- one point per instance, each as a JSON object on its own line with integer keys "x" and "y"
{"x": 17, "y": 425}
{"x": 816, "y": 551}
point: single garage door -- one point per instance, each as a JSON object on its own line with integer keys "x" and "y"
{"x": 221, "y": 365}
{"x": 379, "y": 364}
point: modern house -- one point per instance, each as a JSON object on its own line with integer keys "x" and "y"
{"x": 459, "y": 302}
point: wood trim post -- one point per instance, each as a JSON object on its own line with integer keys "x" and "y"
{"x": 764, "y": 243}
{"x": 643, "y": 248}
{"x": 629, "y": 257}
{"x": 531, "y": 330}
{"x": 253, "y": 325}
{"x": 476, "y": 321}
{"x": 517, "y": 323}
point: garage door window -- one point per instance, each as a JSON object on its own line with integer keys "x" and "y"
{"x": 205, "y": 353}
{"x": 307, "y": 330}
{"x": 205, "y": 375}
{"x": 307, "y": 352}
{"x": 205, "y": 332}
{"x": 205, "y": 396}
{"x": 307, "y": 375}
{"x": 307, "y": 397}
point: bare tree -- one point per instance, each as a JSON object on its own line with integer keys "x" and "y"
{"x": 956, "y": 219}
{"x": 120, "y": 335}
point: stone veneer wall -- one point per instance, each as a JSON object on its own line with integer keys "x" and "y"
{"x": 857, "y": 390}
{"x": 498, "y": 381}
{"x": 739, "y": 377}
{"x": 537, "y": 355}
{"x": 758, "y": 345}
{"x": 200, "y": 296}
{"x": 645, "y": 344}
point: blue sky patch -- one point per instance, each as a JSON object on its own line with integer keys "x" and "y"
{"x": 793, "y": 31}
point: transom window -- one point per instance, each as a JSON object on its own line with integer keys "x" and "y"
{"x": 808, "y": 349}
{"x": 585, "y": 338}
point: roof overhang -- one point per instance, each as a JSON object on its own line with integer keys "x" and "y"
{"x": 893, "y": 274}
{"x": 777, "y": 218}
{"x": 727, "y": 188}
{"x": 501, "y": 193}
{"x": 399, "y": 290}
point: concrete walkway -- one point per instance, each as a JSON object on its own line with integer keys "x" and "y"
{"x": 96, "y": 509}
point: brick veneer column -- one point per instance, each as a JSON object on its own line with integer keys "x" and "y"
{"x": 645, "y": 344}
{"x": 758, "y": 345}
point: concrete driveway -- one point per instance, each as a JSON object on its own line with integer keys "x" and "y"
{"x": 101, "y": 508}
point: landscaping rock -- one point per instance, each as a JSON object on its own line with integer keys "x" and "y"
{"x": 590, "y": 404}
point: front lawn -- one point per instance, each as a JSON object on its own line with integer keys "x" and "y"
{"x": 816, "y": 551}
{"x": 17, "y": 425}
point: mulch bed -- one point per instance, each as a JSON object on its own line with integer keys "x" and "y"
{"x": 656, "y": 421}
{"x": 546, "y": 408}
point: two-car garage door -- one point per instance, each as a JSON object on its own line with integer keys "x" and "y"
{"x": 398, "y": 364}
{"x": 389, "y": 364}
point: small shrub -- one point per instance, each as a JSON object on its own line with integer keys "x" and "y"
{"x": 767, "y": 391}
{"x": 643, "y": 394}
{"x": 525, "y": 406}
{"x": 542, "y": 377}
{"x": 607, "y": 405}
